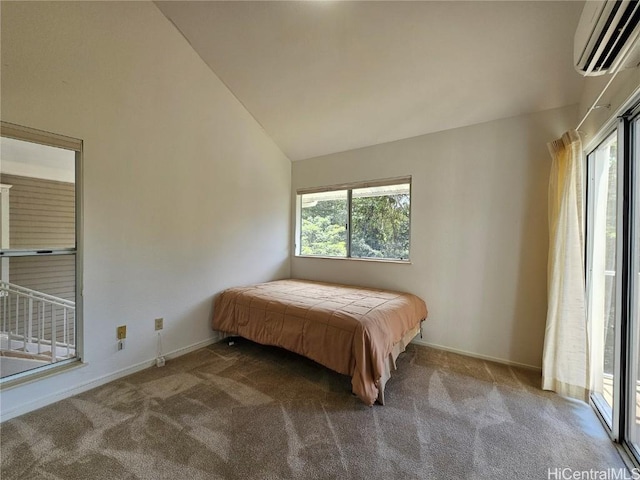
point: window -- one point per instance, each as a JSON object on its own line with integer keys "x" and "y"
{"x": 366, "y": 220}
{"x": 39, "y": 251}
{"x": 613, "y": 278}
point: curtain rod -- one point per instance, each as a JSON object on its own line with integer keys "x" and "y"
{"x": 595, "y": 103}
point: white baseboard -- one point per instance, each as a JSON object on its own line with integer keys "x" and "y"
{"x": 56, "y": 397}
{"x": 191, "y": 348}
{"x": 476, "y": 355}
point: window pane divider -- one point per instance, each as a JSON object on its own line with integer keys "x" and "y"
{"x": 349, "y": 217}
{"x": 38, "y": 252}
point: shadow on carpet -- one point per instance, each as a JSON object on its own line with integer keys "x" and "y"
{"x": 253, "y": 412}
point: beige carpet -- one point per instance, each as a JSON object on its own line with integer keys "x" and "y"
{"x": 253, "y": 412}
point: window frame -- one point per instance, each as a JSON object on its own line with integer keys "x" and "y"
{"x": 349, "y": 187}
{"x": 27, "y": 134}
{"x": 597, "y": 399}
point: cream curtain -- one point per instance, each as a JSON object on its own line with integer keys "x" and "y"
{"x": 565, "y": 362}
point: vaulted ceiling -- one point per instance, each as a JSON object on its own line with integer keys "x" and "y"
{"x": 328, "y": 76}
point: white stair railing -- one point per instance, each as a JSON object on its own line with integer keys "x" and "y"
{"x": 31, "y": 321}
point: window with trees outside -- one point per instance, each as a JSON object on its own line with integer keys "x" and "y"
{"x": 365, "y": 220}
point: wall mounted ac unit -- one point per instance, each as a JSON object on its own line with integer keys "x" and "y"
{"x": 608, "y": 37}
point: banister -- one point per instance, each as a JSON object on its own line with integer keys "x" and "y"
{"x": 19, "y": 305}
{"x": 18, "y": 290}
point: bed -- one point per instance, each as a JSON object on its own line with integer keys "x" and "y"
{"x": 354, "y": 331}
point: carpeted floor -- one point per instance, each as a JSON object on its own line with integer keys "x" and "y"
{"x": 253, "y": 412}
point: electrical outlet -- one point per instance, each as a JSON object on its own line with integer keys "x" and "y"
{"x": 159, "y": 323}
{"x": 121, "y": 332}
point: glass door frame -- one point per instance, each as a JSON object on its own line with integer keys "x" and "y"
{"x": 632, "y": 328}
{"x": 627, "y": 126}
{"x": 610, "y": 420}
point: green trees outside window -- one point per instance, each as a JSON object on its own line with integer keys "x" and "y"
{"x": 379, "y": 226}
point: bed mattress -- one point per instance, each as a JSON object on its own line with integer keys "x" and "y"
{"x": 351, "y": 330}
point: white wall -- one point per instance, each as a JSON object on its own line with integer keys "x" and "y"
{"x": 184, "y": 194}
{"x": 479, "y": 230}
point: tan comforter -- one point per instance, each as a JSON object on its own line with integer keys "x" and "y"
{"x": 348, "y": 329}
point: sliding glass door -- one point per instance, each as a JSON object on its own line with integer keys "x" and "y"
{"x": 613, "y": 278}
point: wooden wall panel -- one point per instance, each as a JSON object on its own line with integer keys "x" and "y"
{"x": 41, "y": 213}
{"x": 42, "y": 216}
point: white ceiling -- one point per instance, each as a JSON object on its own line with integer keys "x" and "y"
{"x": 323, "y": 77}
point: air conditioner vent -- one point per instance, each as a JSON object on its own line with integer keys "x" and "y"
{"x": 607, "y": 32}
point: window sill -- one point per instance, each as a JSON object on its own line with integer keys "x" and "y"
{"x": 40, "y": 373}
{"x": 354, "y": 259}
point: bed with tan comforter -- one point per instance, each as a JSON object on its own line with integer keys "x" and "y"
{"x": 352, "y": 330}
